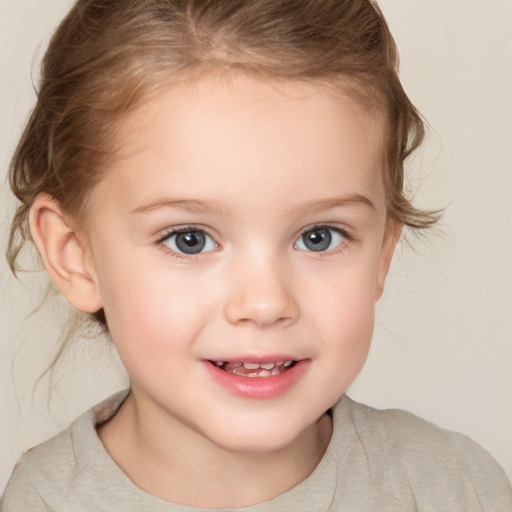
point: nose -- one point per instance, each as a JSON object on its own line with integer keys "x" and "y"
{"x": 261, "y": 295}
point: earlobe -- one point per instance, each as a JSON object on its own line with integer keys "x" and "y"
{"x": 63, "y": 255}
{"x": 393, "y": 232}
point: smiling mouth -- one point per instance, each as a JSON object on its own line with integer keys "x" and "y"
{"x": 254, "y": 369}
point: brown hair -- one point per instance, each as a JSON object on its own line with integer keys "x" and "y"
{"x": 107, "y": 55}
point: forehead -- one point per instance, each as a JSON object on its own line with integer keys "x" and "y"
{"x": 254, "y": 135}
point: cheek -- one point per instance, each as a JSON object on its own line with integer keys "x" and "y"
{"x": 152, "y": 329}
{"x": 349, "y": 328}
{"x": 348, "y": 340}
{"x": 153, "y": 307}
{"x": 345, "y": 307}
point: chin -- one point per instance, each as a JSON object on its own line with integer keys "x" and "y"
{"x": 262, "y": 436}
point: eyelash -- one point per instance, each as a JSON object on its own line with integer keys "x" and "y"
{"x": 331, "y": 227}
{"x": 176, "y": 231}
{"x": 186, "y": 229}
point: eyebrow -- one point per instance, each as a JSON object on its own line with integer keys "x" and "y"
{"x": 204, "y": 206}
{"x": 318, "y": 206}
{"x": 189, "y": 205}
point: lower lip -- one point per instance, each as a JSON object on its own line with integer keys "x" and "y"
{"x": 258, "y": 387}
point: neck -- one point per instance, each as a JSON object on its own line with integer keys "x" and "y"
{"x": 177, "y": 464}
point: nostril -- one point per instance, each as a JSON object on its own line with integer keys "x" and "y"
{"x": 261, "y": 313}
{"x": 261, "y": 300}
{"x": 265, "y": 321}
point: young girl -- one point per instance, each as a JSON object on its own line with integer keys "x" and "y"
{"x": 220, "y": 185}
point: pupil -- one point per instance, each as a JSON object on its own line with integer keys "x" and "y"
{"x": 318, "y": 239}
{"x": 191, "y": 242}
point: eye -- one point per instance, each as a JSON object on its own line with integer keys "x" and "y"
{"x": 320, "y": 239}
{"x": 189, "y": 241}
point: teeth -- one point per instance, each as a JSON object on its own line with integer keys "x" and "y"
{"x": 265, "y": 366}
{"x": 255, "y": 369}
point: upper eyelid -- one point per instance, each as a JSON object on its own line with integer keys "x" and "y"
{"x": 176, "y": 230}
{"x": 325, "y": 225}
{"x": 164, "y": 234}
{"x": 346, "y": 241}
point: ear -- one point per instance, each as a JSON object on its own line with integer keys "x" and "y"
{"x": 391, "y": 237}
{"x": 63, "y": 256}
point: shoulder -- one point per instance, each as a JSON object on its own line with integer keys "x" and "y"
{"x": 427, "y": 459}
{"x": 20, "y": 494}
{"x": 58, "y": 471}
{"x": 402, "y": 434}
{"x": 39, "y": 473}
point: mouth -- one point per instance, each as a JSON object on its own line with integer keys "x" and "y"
{"x": 267, "y": 377}
{"x": 250, "y": 369}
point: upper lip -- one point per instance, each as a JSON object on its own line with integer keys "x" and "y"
{"x": 257, "y": 359}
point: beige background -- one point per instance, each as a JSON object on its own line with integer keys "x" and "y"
{"x": 443, "y": 340}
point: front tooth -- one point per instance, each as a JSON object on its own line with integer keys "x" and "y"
{"x": 279, "y": 363}
{"x": 267, "y": 366}
{"x": 251, "y": 366}
{"x": 275, "y": 371}
{"x": 288, "y": 363}
{"x": 264, "y": 373}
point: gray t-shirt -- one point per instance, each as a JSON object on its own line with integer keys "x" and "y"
{"x": 384, "y": 461}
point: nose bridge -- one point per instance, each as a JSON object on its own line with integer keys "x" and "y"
{"x": 261, "y": 291}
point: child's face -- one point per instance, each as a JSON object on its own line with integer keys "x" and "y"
{"x": 282, "y": 251}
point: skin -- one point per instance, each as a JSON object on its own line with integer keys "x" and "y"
{"x": 253, "y": 165}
